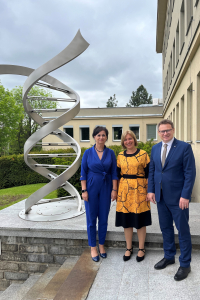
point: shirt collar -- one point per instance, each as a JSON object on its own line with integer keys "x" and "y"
{"x": 168, "y": 143}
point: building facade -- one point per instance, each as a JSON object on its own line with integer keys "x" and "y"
{"x": 142, "y": 120}
{"x": 178, "y": 39}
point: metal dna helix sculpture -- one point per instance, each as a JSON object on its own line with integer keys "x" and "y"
{"x": 37, "y": 208}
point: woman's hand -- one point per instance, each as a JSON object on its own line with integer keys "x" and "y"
{"x": 85, "y": 196}
{"x": 113, "y": 195}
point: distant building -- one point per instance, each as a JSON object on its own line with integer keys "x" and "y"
{"x": 178, "y": 39}
{"x": 143, "y": 120}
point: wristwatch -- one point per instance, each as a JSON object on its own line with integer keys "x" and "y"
{"x": 83, "y": 191}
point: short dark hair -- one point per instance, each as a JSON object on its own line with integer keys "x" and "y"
{"x": 165, "y": 121}
{"x": 99, "y": 129}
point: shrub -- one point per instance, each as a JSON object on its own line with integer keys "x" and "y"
{"x": 15, "y": 172}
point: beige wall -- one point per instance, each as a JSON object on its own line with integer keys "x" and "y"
{"x": 181, "y": 95}
{"x": 109, "y": 123}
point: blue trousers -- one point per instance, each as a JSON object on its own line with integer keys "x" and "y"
{"x": 98, "y": 207}
{"x": 167, "y": 213}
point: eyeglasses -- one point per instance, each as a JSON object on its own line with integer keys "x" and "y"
{"x": 163, "y": 131}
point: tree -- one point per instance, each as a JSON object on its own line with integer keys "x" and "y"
{"x": 27, "y": 126}
{"x": 139, "y": 97}
{"x": 112, "y": 102}
{"x": 10, "y": 115}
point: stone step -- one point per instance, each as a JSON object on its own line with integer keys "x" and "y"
{"x": 53, "y": 286}
{"x": 78, "y": 282}
{"x": 37, "y": 289}
{"x": 9, "y": 293}
{"x": 26, "y": 286}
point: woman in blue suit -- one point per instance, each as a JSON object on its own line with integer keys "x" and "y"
{"x": 99, "y": 186}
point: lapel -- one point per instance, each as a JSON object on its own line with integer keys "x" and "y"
{"x": 158, "y": 154}
{"x": 169, "y": 156}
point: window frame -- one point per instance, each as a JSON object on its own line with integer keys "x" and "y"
{"x": 69, "y": 126}
{"x": 113, "y": 126}
{"x": 80, "y": 132}
{"x": 156, "y": 132}
{"x": 135, "y": 125}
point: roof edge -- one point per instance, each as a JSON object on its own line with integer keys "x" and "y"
{"x": 161, "y": 18}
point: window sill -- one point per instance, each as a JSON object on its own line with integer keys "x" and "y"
{"x": 85, "y": 141}
{"x": 151, "y": 139}
{"x": 116, "y": 140}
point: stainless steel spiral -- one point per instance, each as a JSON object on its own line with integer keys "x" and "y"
{"x": 37, "y": 208}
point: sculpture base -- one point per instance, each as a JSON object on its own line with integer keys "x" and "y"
{"x": 53, "y": 211}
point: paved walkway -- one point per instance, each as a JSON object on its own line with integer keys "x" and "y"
{"x": 119, "y": 280}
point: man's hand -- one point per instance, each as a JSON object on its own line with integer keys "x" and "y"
{"x": 183, "y": 203}
{"x": 151, "y": 197}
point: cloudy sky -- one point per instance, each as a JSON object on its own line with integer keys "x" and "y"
{"x": 121, "y": 55}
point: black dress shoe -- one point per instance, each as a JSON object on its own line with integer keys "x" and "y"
{"x": 163, "y": 263}
{"x": 182, "y": 273}
{"x": 140, "y": 258}
{"x": 125, "y": 258}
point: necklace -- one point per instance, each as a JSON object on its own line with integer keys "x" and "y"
{"x": 98, "y": 150}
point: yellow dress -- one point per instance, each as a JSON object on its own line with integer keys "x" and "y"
{"x": 132, "y": 208}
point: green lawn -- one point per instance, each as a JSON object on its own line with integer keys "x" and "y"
{"x": 15, "y": 194}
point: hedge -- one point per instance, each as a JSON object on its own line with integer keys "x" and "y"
{"x": 15, "y": 172}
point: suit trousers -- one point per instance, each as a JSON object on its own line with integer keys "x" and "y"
{"x": 167, "y": 214}
{"x": 98, "y": 207}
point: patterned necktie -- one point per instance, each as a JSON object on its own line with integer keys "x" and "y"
{"x": 164, "y": 155}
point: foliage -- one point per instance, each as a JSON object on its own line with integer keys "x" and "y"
{"x": 14, "y": 171}
{"x": 112, "y": 102}
{"x": 10, "y": 115}
{"x": 139, "y": 97}
{"x": 28, "y": 126}
{"x": 146, "y": 146}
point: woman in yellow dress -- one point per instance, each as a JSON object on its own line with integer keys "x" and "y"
{"x": 133, "y": 208}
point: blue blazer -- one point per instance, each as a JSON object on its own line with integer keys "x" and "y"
{"x": 176, "y": 177}
{"x": 96, "y": 171}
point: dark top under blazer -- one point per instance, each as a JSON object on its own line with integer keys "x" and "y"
{"x": 178, "y": 174}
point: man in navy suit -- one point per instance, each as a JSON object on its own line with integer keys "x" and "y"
{"x": 171, "y": 178}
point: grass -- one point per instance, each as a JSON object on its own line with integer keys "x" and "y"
{"x": 13, "y": 195}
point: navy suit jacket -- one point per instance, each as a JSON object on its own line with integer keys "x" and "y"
{"x": 176, "y": 177}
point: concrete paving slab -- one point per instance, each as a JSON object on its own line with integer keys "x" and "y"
{"x": 53, "y": 286}
{"x": 26, "y": 286}
{"x": 80, "y": 279}
{"x": 37, "y": 289}
{"x": 9, "y": 293}
{"x": 119, "y": 280}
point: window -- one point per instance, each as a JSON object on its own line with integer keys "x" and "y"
{"x": 152, "y": 132}
{"x": 189, "y": 14}
{"x": 196, "y": 3}
{"x": 177, "y": 44}
{"x": 136, "y": 130}
{"x": 85, "y": 133}
{"x": 117, "y": 132}
{"x": 173, "y": 59}
{"x": 182, "y": 119}
{"x": 69, "y": 130}
{"x": 182, "y": 26}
